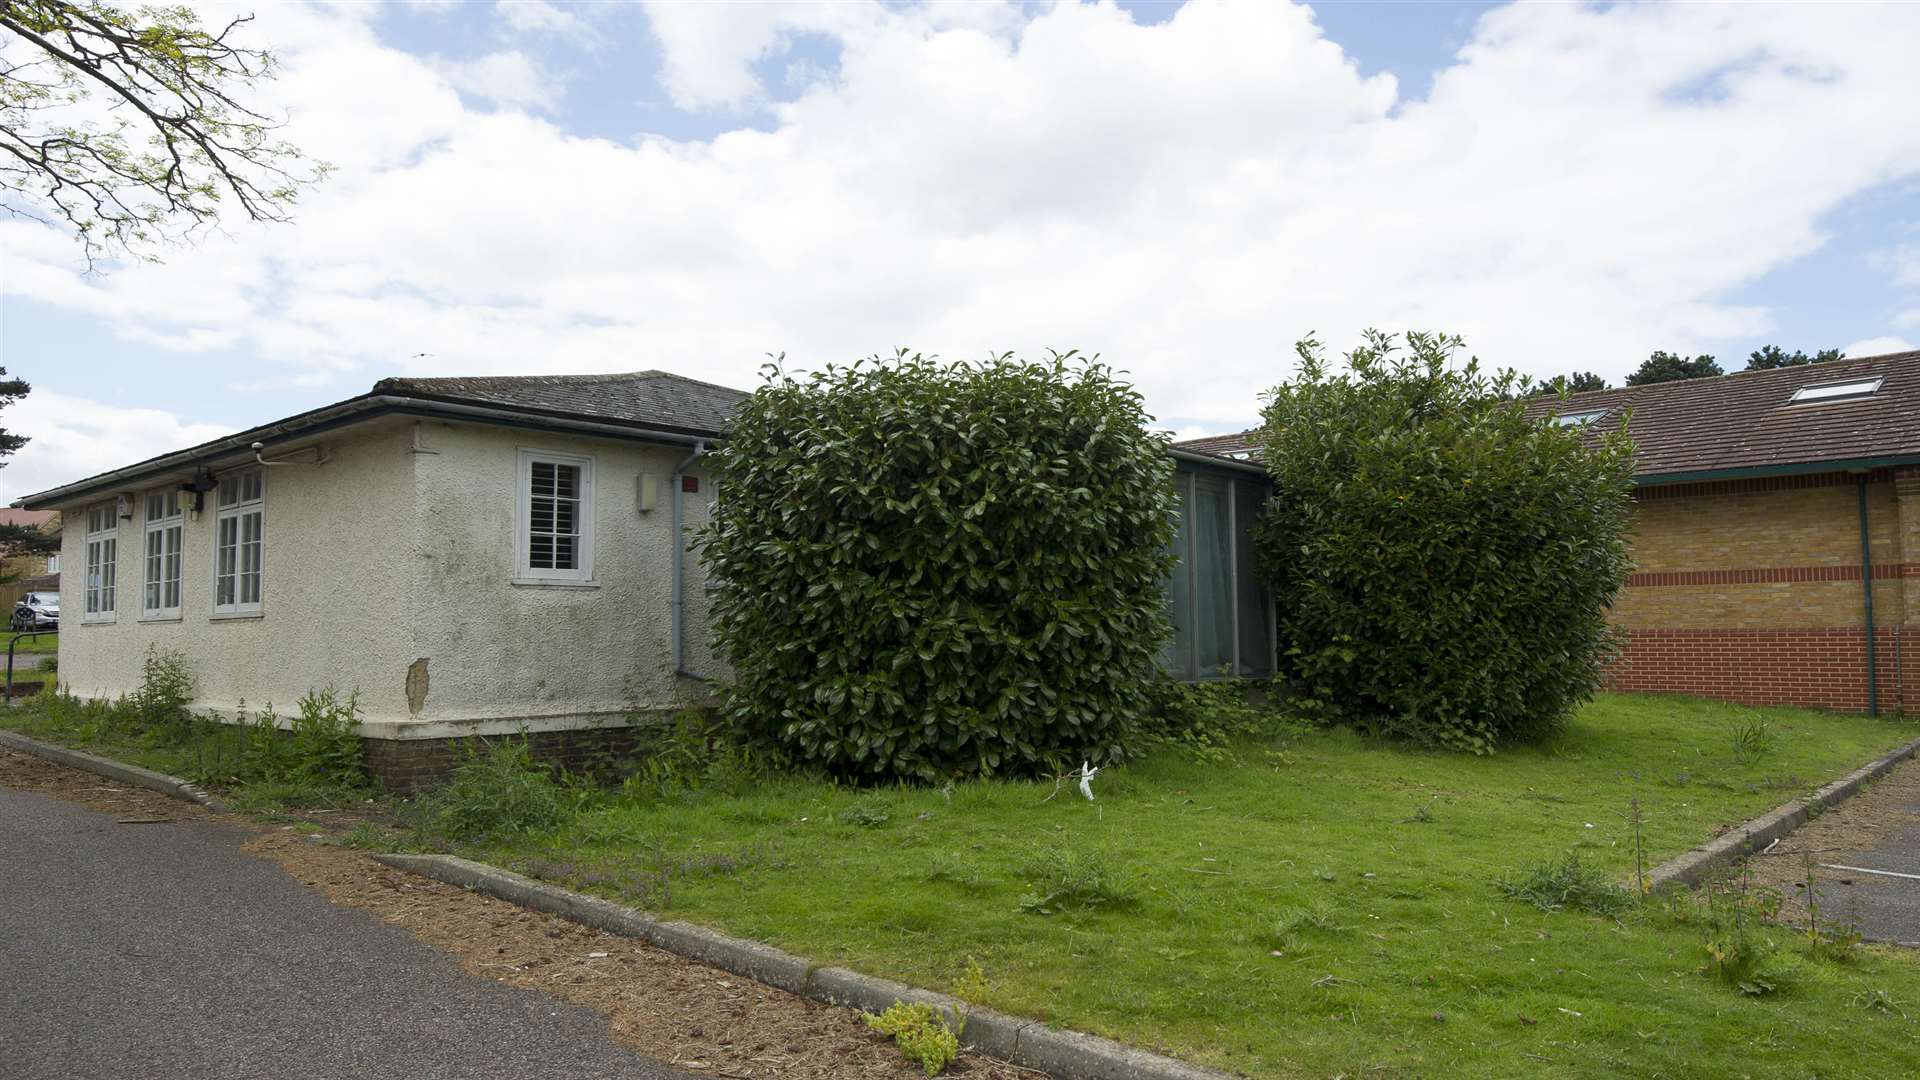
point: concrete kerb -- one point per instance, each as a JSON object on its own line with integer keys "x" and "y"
{"x": 1693, "y": 867}
{"x": 1029, "y": 1044}
{"x": 113, "y": 770}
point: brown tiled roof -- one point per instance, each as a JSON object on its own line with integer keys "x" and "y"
{"x": 39, "y": 583}
{"x": 642, "y": 398}
{"x": 1238, "y": 445}
{"x": 1747, "y": 420}
{"x": 13, "y": 515}
{"x": 1741, "y": 421}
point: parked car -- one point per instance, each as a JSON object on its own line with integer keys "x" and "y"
{"x": 37, "y": 611}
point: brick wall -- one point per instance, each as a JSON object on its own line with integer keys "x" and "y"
{"x": 1751, "y": 591}
{"x": 411, "y": 764}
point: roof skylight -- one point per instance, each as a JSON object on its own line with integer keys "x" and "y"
{"x": 1572, "y": 418}
{"x": 1834, "y": 391}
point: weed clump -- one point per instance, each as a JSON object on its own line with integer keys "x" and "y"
{"x": 495, "y": 792}
{"x": 1567, "y": 884}
{"x": 920, "y": 1033}
{"x": 1068, "y": 879}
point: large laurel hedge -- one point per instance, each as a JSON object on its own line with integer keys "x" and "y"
{"x": 1443, "y": 565}
{"x": 940, "y": 569}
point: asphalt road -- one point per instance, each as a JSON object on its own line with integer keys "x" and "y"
{"x": 1876, "y": 882}
{"x": 164, "y": 950}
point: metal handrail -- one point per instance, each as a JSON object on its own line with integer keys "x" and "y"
{"x": 10, "y": 644}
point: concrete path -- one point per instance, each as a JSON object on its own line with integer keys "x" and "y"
{"x": 163, "y": 950}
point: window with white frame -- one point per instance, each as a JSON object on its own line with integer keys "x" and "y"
{"x": 103, "y": 550}
{"x": 555, "y": 518}
{"x": 161, "y": 551}
{"x": 239, "y": 542}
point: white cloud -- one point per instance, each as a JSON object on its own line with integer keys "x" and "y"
{"x": 536, "y": 18}
{"x": 74, "y": 437}
{"x": 1878, "y": 346}
{"x": 508, "y": 78}
{"x": 1186, "y": 199}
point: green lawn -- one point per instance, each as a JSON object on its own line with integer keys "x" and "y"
{"x": 39, "y": 643}
{"x": 1322, "y": 908}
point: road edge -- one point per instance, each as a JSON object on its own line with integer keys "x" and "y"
{"x": 172, "y": 786}
{"x": 1692, "y": 867}
{"x": 1029, "y": 1044}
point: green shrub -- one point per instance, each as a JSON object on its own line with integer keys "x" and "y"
{"x": 935, "y": 570}
{"x": 920, "y": 1033}
{"x": 496, "y": 791}
{"x": 1444, "y": 564}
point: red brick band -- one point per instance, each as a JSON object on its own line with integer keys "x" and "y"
{"x": 1763, "y": 574}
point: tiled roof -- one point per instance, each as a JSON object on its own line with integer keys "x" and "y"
{"x": 1741, "y": 421}
{"x": 1747, "y": 420}
{"x": 13, "y": 515}
{"x": 1238, "y": 446}
{"x": 658, "y": 399}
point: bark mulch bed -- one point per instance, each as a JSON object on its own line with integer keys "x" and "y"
{"x": 688, "y": 1015}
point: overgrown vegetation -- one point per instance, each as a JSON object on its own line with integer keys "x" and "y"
{"x": 938, "y": 570}
{"x": 497, "y": 791}
{"x": 1447, "y": 563}
{"x": 312, "y": 757}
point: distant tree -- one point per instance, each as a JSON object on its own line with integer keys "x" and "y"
{"x": 127, "y": 125}
{"x": 18, "y": 540}
{"x": 1666, "y": 367}
{"x": 1773, "y": 356}
{"x": 1577, "y": 383}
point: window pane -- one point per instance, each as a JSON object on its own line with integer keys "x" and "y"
{"x": 567, "y": 481}
{"x": 1256, "y": 651}
{"x": 540, "y": 552}
{"x": 1212, "y": 581}
{"x": 563, "y": 553}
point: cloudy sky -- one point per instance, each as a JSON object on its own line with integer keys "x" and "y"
{"x": 529, "y": 187}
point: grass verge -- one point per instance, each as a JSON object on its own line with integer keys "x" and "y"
{"x": 1327, "y": 905}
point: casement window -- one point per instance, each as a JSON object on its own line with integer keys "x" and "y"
{"x": 103, "y": 550}
{"x": 239, "y": 542}
{"x": 555, "y": 519}
{"x": 161, "y": 550}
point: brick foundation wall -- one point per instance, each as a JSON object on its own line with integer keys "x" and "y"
{"x": 411, "y": 764}
{"x": 1751, "y": 591}
{"x": 1814, "y": 668}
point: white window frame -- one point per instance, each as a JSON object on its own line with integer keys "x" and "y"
{"x": 169, "y": 528}
{"x": 238, "y": 512}
{"x": 523, "y": 572}
{"x": 99, "y": 603}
